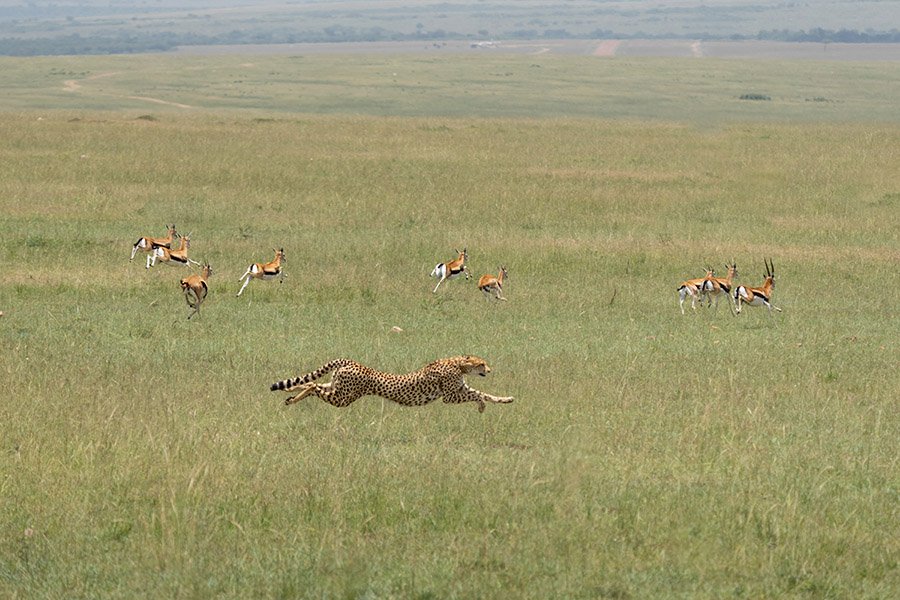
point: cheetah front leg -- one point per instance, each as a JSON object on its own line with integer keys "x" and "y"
{"x": 467, "y": 394}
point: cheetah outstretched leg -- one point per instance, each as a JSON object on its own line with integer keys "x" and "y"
{"x": 307, "y": 389}
{"x": 336, "y": 396}
{"x": 467, "y": 394}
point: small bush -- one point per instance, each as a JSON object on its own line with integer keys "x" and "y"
{"x": 755, "y": 97}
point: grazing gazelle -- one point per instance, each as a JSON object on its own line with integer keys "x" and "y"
{"x": 493, "y": 286}
{"x": 692, "y": 288}
{"x": 716, "y": 286}
{"x": 147, "y": 244}
{"x": 758, "y": 296}
{"x": 444, "y": 271}
{"x": 172, "y": 257}
{"x": 195, "y": 289}
{"x": 269, "y": 270}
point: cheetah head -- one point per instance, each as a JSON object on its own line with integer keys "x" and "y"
{"x": 473, "y": 364}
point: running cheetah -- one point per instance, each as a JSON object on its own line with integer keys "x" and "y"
{"x": 351, "y": 381}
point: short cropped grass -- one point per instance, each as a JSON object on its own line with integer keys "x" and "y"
{"x": 648, "y": 454}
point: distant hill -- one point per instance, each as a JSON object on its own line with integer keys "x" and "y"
{"x": 110, "y": 26}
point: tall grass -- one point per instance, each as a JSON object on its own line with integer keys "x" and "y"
{"x": 647, "y": 454}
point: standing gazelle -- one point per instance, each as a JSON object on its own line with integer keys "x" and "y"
{"x": 147, "y": 244}
{"x": 269, "y": 270}
{"x": 444, "y": 271}
{"x": 716, "y": 286}
{"x": 195, "y": 289}
{"x": 493, "y": 286}
{"x": 692, "y": 288}
{"x": 172, "y": 257}
{"x": 758, "y": 296}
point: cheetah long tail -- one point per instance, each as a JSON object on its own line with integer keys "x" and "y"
{"x": 289, "y": 384}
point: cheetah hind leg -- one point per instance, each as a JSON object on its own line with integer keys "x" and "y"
{"x": 309, "y": 389}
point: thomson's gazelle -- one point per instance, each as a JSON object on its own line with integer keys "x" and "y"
{"x": 269, "y": 270}
{"x": 444, "y": 271}
{"x": 146, "y": 244}
{"x": 758, "y": 296}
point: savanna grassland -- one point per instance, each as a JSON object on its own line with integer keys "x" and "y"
{"x": 647, "y": 454}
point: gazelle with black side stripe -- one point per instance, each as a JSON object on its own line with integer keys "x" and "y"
{"x": 146, "y": 244}
{"x": 692, "y": 288}
{"x": 716, "y": 286}
{"x": 444, "y": 271}
{"x": 758, "y": 296}
{"x": 172, "y": 257}
{"x": 269, "y": 270}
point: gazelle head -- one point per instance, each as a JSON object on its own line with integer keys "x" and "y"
{"x": 504, "y": 275}
{"x": 463, "y": 255}
{"x": 770, "y": 271}
{"x": 207, "y": 270}
{"x": 279, "y": 254}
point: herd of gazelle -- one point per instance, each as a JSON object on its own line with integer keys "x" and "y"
{"x": 709, "y": 286}
{"x": 196, "y": 287}
{"x": 491, "y": 285}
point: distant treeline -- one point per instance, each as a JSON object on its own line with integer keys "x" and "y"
{"x": 847, "y": 36}
{"x": 132, "y": 43}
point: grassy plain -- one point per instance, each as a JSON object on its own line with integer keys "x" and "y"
{"x": 647, "y": 454}
{"x": 704, "y": 92}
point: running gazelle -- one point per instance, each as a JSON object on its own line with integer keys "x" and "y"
{"x": 758, "y": 296}
{"x": 172, "y": 257}
{"x": 146, "y": 244}
{"x": 493, "y": 286}
{"x": 444, "y": 271}
{"x": 716, "y": 286}
{"x": 692, "y": 288}
{"x": 195, "y": 288}
{"x": 269, "y": 270}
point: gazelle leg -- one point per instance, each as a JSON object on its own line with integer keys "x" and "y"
{"x": 246, "y": 282}
{"x": 438, "y": 285}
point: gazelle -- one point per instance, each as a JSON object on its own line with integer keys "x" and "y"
{"x": 692, "y": 288}
{"x": 172, "y": 257}
{"x": 146, "y": 244}
{"x": 493, "y": 286}
{"x": 716, "y": 286}
{"x": 758, "y": 296}
{"x": 195, "y": 289}
{"x": 269, "y": 270}
{"x": 444, "y": 271}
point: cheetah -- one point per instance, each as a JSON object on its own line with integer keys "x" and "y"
{"x": 352, "y": 380}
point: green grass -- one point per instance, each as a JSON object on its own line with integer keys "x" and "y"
{"x": 706, "y": 92}
{"x": 647, "y": 454}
